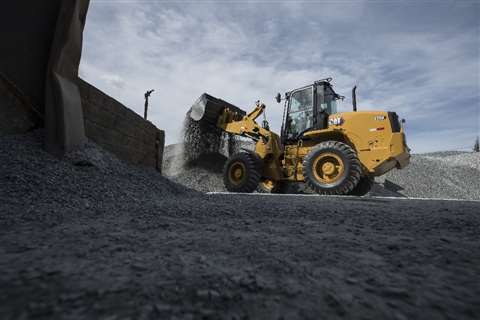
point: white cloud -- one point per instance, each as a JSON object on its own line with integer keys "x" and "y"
{"x": 242, "y": 53}
{"x": 113, "y": 80}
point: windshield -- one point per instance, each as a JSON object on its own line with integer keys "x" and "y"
{"x": 327, "y": 99}
{"x": 300, "y": 112}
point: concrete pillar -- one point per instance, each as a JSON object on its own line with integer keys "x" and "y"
{"x": 64, "y": 124}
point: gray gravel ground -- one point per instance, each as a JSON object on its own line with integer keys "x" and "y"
{"x": 444, "y": 175}
{"x": 112, "y": 241}
{"x": 440, "y": 175}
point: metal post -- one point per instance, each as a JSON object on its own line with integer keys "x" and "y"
{"x": 147, "y": 95}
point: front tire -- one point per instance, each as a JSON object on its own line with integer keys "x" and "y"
{"x": 332, "y": 168}
{"x": 241, "y": 173}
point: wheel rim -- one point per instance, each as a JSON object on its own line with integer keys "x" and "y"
{"x": 236, "y": 174}
{"x": 328, "y": 168}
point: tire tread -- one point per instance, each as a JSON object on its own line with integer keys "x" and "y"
{"x": 253, "y": 166}
{"x": 352, "y": 178}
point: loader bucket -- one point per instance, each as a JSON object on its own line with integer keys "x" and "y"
{"x": 208, "y": 109}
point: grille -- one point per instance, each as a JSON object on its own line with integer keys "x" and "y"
{"x": 395, "y": 123}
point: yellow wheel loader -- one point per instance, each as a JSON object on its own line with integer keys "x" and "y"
{"x": 335, "y": 153}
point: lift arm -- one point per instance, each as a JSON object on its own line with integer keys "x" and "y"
{"x": 246, "y": 126}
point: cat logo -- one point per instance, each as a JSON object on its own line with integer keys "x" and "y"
{"x": 379, "y": 118}
{"x": 335, "y": 121}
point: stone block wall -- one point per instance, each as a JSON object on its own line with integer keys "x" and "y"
{"x": 108, "y": 123}
{"x": 120, "y": 130}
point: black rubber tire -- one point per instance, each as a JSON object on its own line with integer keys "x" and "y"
{"x": 363, "y": 187}
{"x": 351, "y": 173}
{"x": 252, "y": 172}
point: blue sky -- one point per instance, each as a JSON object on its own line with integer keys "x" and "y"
{"x": 420, "y": 59}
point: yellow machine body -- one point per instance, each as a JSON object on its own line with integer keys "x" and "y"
{"x": 369, "y": 133}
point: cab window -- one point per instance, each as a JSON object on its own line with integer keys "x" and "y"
{"x": 300, "y": 112}
{"x": 326, "y": 100}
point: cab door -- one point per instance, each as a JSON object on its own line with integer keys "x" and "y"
{"x": 300, "y": 113}
{"x": 325, "y": 104}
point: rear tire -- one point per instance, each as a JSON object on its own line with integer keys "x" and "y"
{"x": 332, "y": 168}
{"x": 241, "y": 173}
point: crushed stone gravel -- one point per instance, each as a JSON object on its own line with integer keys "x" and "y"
{"x": 32, "y": 178}
{"x": 438, "y": 175}
{"x": 91, "y": 237}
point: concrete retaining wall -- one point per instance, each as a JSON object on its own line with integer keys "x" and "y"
{"x": 108, "y": 123}
{"x": 16, "y": 110}
{"x": 120, "y": 130}
{"x": 27, "y": 29}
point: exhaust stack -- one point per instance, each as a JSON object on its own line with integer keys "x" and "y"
{"x": 354, "y": 98}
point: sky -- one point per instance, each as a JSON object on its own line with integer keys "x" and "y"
{"x": 420, "y": 59}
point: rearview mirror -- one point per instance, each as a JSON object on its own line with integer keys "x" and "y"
{"x": 278, "y": 97}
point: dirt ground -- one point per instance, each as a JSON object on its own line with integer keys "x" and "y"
{"x": 245, "y": 257}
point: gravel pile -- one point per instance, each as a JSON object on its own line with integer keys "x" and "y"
{"x": 451, "y": 174}
{"x": 31, "y": 179}
{"x": 455, "y": 159}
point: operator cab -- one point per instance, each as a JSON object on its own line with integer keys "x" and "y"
{"x": 308, "y": 108}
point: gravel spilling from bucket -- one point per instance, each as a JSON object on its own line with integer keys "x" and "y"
{"x": 203, "y": 174}
{"x": 197, "y": 162}
{"x": 201, "y": 138}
